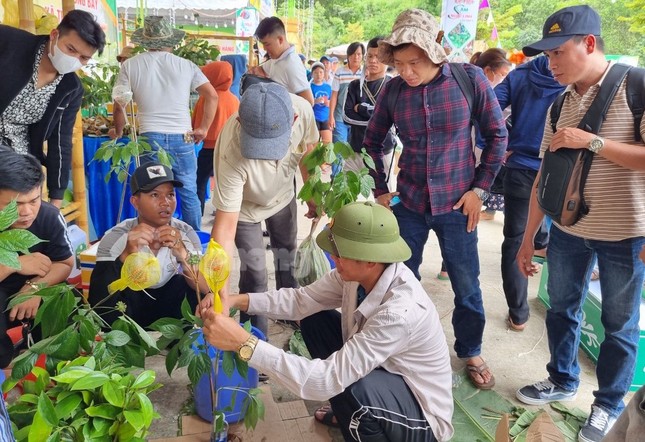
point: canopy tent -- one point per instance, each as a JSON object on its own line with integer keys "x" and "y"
{"x": 340, "y": 51}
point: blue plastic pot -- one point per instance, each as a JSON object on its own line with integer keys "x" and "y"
{"x": 229, "y": 400}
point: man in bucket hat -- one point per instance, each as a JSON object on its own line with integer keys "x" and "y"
{"x": 161, "y": 83}
{"x": 440, "y": 186}
{"x": 257, "y": 155}
{"x": 614, "y": 235}
{"x": 383, "y": 361}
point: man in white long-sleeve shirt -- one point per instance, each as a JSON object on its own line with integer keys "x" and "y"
{"x": 383, "y": 362}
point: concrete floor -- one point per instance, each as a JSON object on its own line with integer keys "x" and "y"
{"x": 516, "y": 359}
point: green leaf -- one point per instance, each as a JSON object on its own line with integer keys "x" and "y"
{"x": 145, "y": 337}
{"x": 56, "y": 314}
{"x": 187, "y": 312}
{"x": 101, "y": 427}
{"x": 134, "y": 418}
{"x": 167, "y": 329}
{"x": 91, "y": 381}
{"x": 106, "y": 411}
{"x": 46, "y": 410}
{"x": 116, "y": 338}
{"x": 343, "y": 149}
{"x": 40, "y": 429}
{"x": 65, "y": 407}
{"x": 9, "y": 259}
{"x": 171, "y": 359}
{"x": 131, "y": 354}
{"x": 197, "y": 367}
{"x": 306, "y": 192}
{"x": 18, "y": 240}
{"x": 147, "y": 410}
{"x": 73, "y": 375}
{"x": 367, "y": 159}
{"x": 29, "y": 398}
{"x": 145, "y": 379}
{"x": 8, "y": 215}
{"x": 228, "y": 363}
{"x": 23, "y": 364}
{"x": 113, "y": 393}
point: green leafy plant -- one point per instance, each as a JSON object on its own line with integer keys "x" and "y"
{"x": 344, "y": 187}
{"x": 97, "y": 88}
{"x": 197, "y": 50}
{"x": 85, "y": 401}
{"x": 121, "y": 153}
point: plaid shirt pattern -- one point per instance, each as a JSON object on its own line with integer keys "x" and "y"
{"x": 437, "y": 165}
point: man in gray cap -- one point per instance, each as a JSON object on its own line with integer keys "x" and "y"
{"x": 161, "y": 83}
{"x": 612, "y": 234}
{"x": 256, "y": 158}
{"x": 382, "y": 361}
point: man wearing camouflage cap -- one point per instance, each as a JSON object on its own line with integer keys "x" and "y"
{"x": 441, "y": 188}
{"x": 383, "y": 361}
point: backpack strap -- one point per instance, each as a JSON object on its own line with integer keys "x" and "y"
{"x": 597, "y": 112}
{"x": 556, "y": 107}
{"x": 636, "y": 98}
{"x": 392, "y": 97}
{"x": 465, "y": 84}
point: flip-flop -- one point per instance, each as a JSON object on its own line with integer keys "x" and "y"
{"x": 441, "y": 277}
{"x": 328, "y": 418}
{"x": 472, "y": 370}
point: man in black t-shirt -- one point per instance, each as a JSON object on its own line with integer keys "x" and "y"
{"x": 49, "y": 262}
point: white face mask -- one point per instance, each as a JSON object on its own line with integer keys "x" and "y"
{"x": 62, "y": 62}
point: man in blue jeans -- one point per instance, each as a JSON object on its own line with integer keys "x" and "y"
{"x": 529, "y": 90}
{"x": 161, "y": 83}
{"x": 440, "y": 187}
{"x": 612, "y": 231}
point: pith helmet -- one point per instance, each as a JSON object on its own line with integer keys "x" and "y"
{"x": 364, "y": 232}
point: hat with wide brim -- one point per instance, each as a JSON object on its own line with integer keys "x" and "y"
{"x": 417, "y": 27}
{"x": 157, "y": 33}
{"x": 364, "y": 232}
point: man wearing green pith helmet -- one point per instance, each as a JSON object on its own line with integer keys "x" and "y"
{"x": 382, "y": 361}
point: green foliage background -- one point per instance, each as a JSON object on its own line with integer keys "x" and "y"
{"x": 519, "y": 22}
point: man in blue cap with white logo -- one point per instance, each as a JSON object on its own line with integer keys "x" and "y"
{"x": 614, "y": 234}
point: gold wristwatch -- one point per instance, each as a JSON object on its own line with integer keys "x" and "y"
{"x": 246, "y": 350}
{"x": 33, "y": 285}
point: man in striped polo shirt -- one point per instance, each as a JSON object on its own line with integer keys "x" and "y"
{"x": 613, "y": 230}
{"x": 342, "y": 78}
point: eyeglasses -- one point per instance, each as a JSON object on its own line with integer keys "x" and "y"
{"x": 330, "y": 236}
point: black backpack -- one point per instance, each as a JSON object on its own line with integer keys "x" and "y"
{"x": 564, "y": 172}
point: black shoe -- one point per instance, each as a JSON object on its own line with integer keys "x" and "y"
{"x": 262, "y": 377}
{"x": 265, "y": 233}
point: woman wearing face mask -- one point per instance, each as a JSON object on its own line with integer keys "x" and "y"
{"x": 40, "y": 93}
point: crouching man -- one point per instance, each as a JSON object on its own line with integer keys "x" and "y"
{"x": 382, "y": 362}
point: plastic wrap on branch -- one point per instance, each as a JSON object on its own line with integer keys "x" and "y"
{"x": 122, "y": 94}
{"x": 215, "y": 266}
{"x": 141, "y": 270}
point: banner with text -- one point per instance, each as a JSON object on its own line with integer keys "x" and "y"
{"x": 459, "y": 23}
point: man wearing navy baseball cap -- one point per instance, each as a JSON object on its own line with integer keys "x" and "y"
{"x": 571, "y": 40}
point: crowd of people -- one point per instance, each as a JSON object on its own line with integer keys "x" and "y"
{"x": 473, "y": 136}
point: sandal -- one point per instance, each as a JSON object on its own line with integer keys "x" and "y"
{"x": 327, "y": 418}
{"x": 443, "y": 276}
{"x": 472, "y": 370}
{"x": 515, "y": 327}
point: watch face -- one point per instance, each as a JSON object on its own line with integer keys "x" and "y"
{"x": 246, "y": 352}
{"x": 596, "y": 144}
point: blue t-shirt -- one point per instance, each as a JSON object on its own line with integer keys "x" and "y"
{"x": 321, "y": 112}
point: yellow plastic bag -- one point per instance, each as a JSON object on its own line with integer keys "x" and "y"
{"x": 215, "y": 266}
{"x": 141, "y": 270}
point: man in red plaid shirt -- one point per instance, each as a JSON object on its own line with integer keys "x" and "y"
{"x": 440, "y": 186}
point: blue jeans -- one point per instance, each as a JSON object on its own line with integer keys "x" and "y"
{"x": 571, "y": 261}
{"x": 341, "y": 131}
{"x": 185, "y": 169}
{"x": 459, "y": 253}
{"x": 518, "y": 185}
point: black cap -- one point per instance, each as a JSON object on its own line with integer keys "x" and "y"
{"x": 564, "y": 24}
{"x": 148, "y": 176}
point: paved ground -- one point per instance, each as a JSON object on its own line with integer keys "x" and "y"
{"x": 515, "y": 358}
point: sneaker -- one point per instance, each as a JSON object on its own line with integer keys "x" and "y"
{"x": 597, "y": 425}
{"x": 543, "y": 392}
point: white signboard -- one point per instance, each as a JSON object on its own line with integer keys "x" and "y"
{"x": 459, "y": 23}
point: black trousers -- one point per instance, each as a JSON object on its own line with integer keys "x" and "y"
{"x": 204, "y": 172}
{"x": 380, "y": 406}
{"x": 518, "y": 185}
